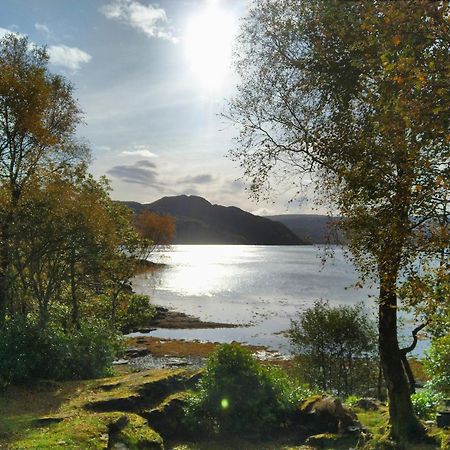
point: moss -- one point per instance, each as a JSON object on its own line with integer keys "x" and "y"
{"x": 307, "y": 403}
{"x": 331, "y": 440}
{"x": 22, "y": 425}
{"x": 137, "y": 434}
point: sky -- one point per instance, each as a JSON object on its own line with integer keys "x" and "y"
{"x": 152, "y": 80}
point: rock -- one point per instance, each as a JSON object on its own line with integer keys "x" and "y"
{"x": 320, "y": 414}
{"x": 168, "y": 418}
{"x": 118, "y": 425}
{"x": 131, "y": 431}
{"x": 119, "y": 362}
{"x": 136, "y": 352}
{"x": 368, "y": 404}
{"x": 145, "y": 396}
{"x": 145, "y": 330}
{"x": 331, "y": 440}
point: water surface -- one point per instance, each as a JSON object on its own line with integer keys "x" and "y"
{"x": 261, "y": 287}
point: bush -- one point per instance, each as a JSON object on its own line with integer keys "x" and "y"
{"x": 135, "y": 311}
{"x": 437, "y": 364}
{"x": 132, "y": 311}
{"x": 237, "y": 395}
{"x": 337, "y": 349}
{"x": 425, "y": 402}
{"x": 29, "y": 352}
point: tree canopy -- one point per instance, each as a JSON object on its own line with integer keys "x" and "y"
{"x": 356, "y": 94}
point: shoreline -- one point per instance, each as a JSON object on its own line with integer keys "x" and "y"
{"x": 170, "y": 319}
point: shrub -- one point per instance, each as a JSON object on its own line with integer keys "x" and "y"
{"x": 29, "y": 352}
{"x": 135, "y": 311}
{"x": 90, "y": 352}
{"x": 351, "y": 400}
{"x": 437, "y": 364}
{"x": 132, "y": 310}
{"x": 425, "y": 402}
{"x": 237, "y": 395}
{"x": 337, "y": 349}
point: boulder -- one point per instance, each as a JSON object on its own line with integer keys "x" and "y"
{"x": 330, "y": 440}
{"x": 136, "y": 352}
{"x": 168, "y": 418}
{"x": 321, "y": 414}
{"x": 128, "y": 431}
{"x": 368, "y": 404}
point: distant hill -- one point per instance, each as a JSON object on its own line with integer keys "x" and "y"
{"x": 311, "y": 228}
{"x": 200, "y": 222}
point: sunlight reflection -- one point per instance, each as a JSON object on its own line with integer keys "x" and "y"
{"x": 206, "y": 270}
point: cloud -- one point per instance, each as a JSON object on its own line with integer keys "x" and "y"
{"x": 42, "y": 27}
{"x": 60, "y": 55}
{"x": 68, "y": 57}
{"x": 204, "y": 178}
{"x": 139, "y": 150}
{"x": 141, "y": 172}
{"x": 149, "y": 19}
{"x": 145, "y": 163}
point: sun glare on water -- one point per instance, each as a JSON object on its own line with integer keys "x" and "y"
{"x": 208, "y": 45}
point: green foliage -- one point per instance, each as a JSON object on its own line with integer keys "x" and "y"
{"x": 354, "y": 93}
{"x": 238, "y": 395}
{"x": 134, "y": 311}
{"x": 29, "y": 352}
{"x": 351, "y": 400}
{"x": 131, "y": 310}
{"x": 437, "y": 364}
{"x": 425, "y": 402}
{"x": 336, "y": 348}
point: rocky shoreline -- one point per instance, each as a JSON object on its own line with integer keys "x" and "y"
{"x": 169, "y": 319}
{"x": 150, "y": 352}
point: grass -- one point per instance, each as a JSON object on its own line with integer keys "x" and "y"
{"x": 78, "y": 428}
{"x": 81, "y": 428}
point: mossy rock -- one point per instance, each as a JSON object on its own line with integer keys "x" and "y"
{"x": 321, "y": 414}
{"x": 135, "y": 434}
{"x": 92, "y": 432}
{"x": 144, "y": 396}
{"x": 331, "y": 440}
{"x": 169, "y": 417}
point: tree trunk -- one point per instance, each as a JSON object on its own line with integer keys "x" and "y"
{"x": 405, "y": 427}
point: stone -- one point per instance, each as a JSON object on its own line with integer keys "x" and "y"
{"x": 168, "y": 418}
{"x": 136, "y": 352}
{"x": 331, "y": 440}
{"x": 118, "y": 425}
{"x": 368, "y": 404}
{"x": 119, "y": 362}
{"x": 321, "y": 414}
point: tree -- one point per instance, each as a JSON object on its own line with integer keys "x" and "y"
{"x": 357, "y": 94}
{"x": 158, "y": 228}
{"x": 336, "y": 347}
{"x": 38, "y": 118}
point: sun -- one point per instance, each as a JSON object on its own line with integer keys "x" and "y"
{"x": 208, "y": 45}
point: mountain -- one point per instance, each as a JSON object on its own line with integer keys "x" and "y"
{"x": 200, "y": 222}
{"x": 311, "y": 228}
